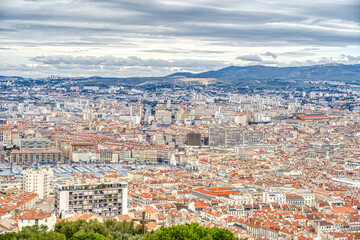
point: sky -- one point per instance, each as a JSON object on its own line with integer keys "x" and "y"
{"x": 136, "y": 38}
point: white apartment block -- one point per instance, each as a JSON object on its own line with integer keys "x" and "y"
{"x": 37, "y": 181}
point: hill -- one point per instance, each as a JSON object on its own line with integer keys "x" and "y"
{"x": 318, "y": 72}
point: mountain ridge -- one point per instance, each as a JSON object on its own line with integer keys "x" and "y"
{"x": 314, "y": 72}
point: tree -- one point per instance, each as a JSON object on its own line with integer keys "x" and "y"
{"x": 189, "y": 232}
{"x": 110, "y": 229}
{"x": 89, "y": 236}
{"x": 79, "y": 230}
{"x": 33, "y": 233}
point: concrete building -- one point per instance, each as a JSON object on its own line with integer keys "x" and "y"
{"x": 163, "y": 116}
{"x": 193, "y": 139}
{"x": 37, "y": 181}
{"x": 5, "y": 136}
{"x": 145, "y": 155}
{"x": 10, "y": 184}
{"x": 274, "y": 197}
{"x": 233, "y": 136}
{"x": 91, "y": 195}
{"x": 26, "y": 144}
{"x": 27, "y": 157}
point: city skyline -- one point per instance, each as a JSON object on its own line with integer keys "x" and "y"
{"x": 156, "y": 38}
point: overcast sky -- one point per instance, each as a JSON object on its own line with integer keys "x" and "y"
{"x": 158, "y": 37}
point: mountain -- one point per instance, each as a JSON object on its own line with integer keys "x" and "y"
{"x": 318, "y": 72}
{"x": 229, "y": 77}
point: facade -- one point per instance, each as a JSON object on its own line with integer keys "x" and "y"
{"x": 27, "y": 157}
{"x": 106, "y": 199}
{"x": 124, "y": 155}
{"x": 141, "y": 199}
{"x": 136, "y": 111}
{"x": 31, "y": 217}
{"x": 233, "y": 136}
{"x": 193, "y": 139}
{"x": 77, "y": 147}
{"x": 295, "y": 199}
{"x": 274, "y": 197}
{"x": 37, "y": 181}
{"x": 146, "y": 155}
{"x": 26, "y": 144}
{"x": 5, "y": 136}
{"x": 163, "y": 116}
{"x": 10, "y": 184}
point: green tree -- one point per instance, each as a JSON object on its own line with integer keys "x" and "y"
{"x": 107, "y": 230}
{"x": 189, "y": 232}
{"x": 89, "y": 236}
{"x": 110, "y": 229}
{"x": 33, "y": 233}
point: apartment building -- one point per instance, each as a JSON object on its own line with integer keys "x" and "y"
{"x": 145, "y": 155}
{"x": 37, "y": 181}
{"x": 5, "y": 136}
{"x": 233, "y": 136}
{"x": 106, "y": 199}
{"x": 141, "y": 199}
{"x": 163, "y": 116}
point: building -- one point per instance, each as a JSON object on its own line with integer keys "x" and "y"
{"x": 10, "y": 184}
{"x": 9, "y": 205}
{"x": 77, "y": 147}
{"x": 181, "y": 217}
{"x": 214, "y": 192}
{"x": 26, "y": 144}
{"x": 31, "y": 217}
{"x": 164, "y": 116}
{"x": 193, "y": 139}
{"x": 5, "y": 136}
{"x": 89, "y": 194}
{"x": 37, "y": 181}
{"x": 136, "y": 110}
{"x": 27, "y": 157}
{"x": 145, "y": 155}
{"x": 355, "y": 184}
{"x": 295, "y": 199}
{"x": 233, "y": 136}
{"x": 274, "y": 197}
{"x": 141, "y": 199}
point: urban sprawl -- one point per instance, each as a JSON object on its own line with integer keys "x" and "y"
{"x": 265, "y": 164}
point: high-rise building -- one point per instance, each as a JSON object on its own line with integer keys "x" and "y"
{"x": 37, "y": 181}
{"x": 106, "y": 197}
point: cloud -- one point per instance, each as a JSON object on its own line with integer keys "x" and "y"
{"x": 82, "y": 61}
{"x": 250, "y": 58}
{"x": 161, "y": 31}
{"x": 289, "y": 23}
{"x": 269, "y": 54}
{"x": 110, "y": 66}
